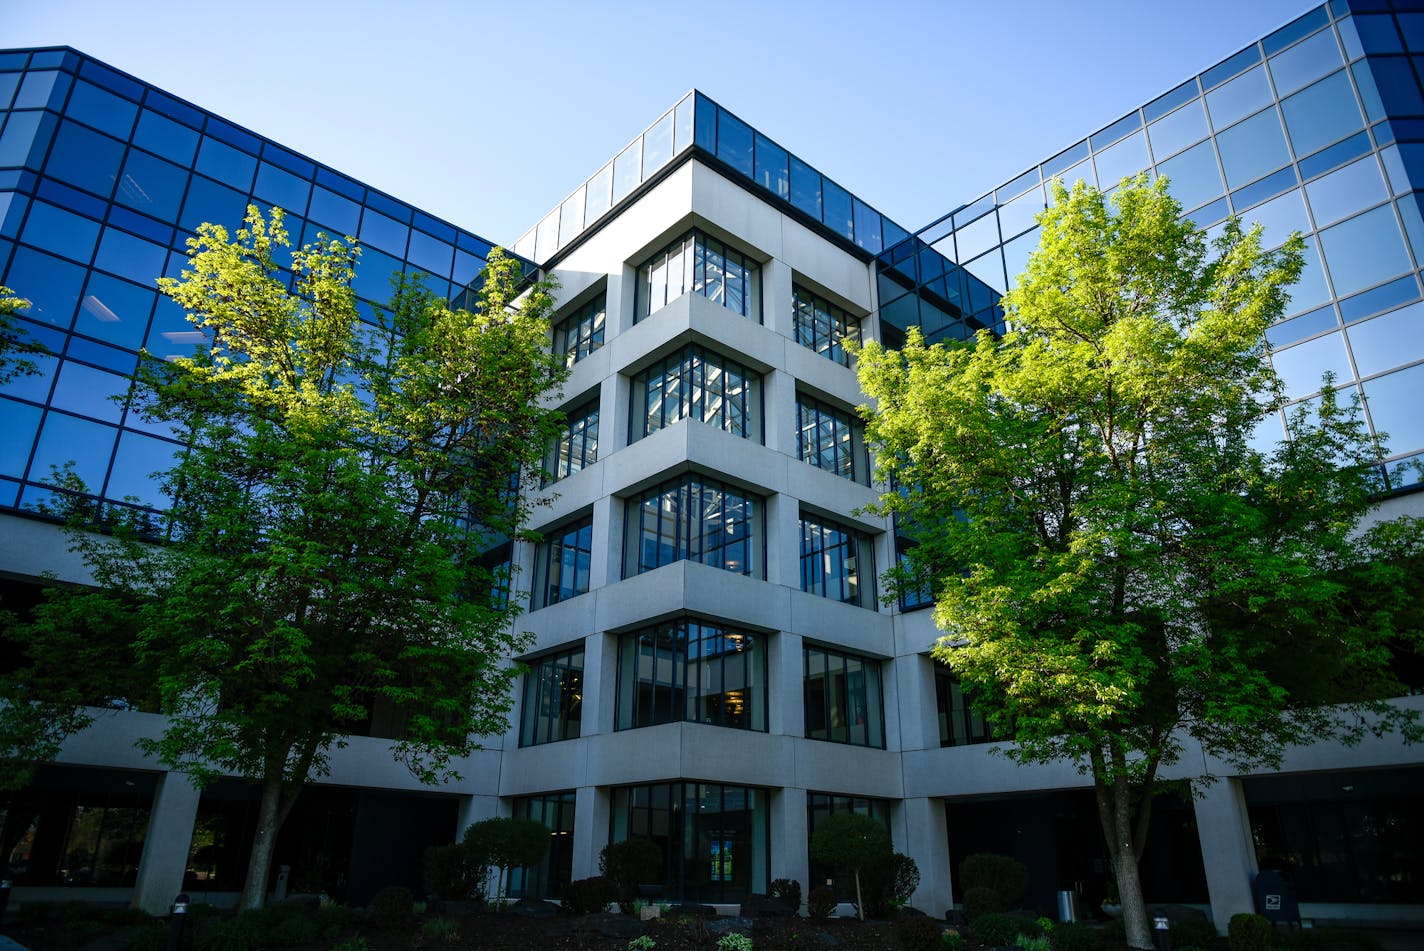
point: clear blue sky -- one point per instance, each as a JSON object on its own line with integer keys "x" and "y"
{"x": 489, "y": 114}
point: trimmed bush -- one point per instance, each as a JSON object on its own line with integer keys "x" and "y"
{"x": 979, "y": 902}
{"x": 449, "y": 874}
{"x": 1193, "y": 932}
{"x": 333, "y": 920}
{"x": 627, "y": 865}
{"x": 1246, "y": 932}
{"x": 243, "y": 933}
{"x": 952, "y": 941}
{"x": 820, "y": 903}
{"x": 917, "y": 933}
{"x": 1077, "y": 936}
{"x": 588, "y": 896}
{"x": 392, "y": 907}
{"x": 787, "y": 890}
{"x": 1002, "y": 928}
{"x": 1006, "y": 877}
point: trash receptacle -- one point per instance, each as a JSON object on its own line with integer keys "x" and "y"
{"x": 1067, "y": 905}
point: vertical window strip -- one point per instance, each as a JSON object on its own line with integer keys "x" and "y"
{"x": 830, "y": 561}
{"x": 702, "y": 521}
{"x": 577, "y": 446}
{"x": 694, "y": 383}
{"x": 553, "y": 698}
{"x": 687, "y": 671}
{"x": 581, "y": 333}
{"x": 828, "y": 438}
{"x": 697, "y": 264}
{"x": 843, "y": 697}
{"x": 568, "y": 557}
{"x": 822, "y": 326}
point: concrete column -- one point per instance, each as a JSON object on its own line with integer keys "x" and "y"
{"x": 789, "y": 837}
{"x": 165, "y": 847}
{"x": 779, "y": 397}
{"x": 776, "y": 297}
{"x": 590, "y": 829}
{"x": 620, "y": 302}
{"x": 926, "y": 840}
{"x": 915, "y": 696}
{"x": 783, "y": 541}
{"x": 606, "y": 562}
{"x": 1224, "y": 830}
{"x": 477, "y": 809}
{"x": 614, "y": 406}
{"x": 600, "y": 688}
{"x": 785, "y": 677}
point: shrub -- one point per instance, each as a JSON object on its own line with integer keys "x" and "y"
{"x": 628, "y": 864}
{"x": 1115, "y": 930}
{"x": 1193, "y": 932}
{"x": 1033, "y": 942}
{"x": 290, "y": 926}
{"x": 917, "y": 933}
{"x": 644, "y": 942}
{"x": 441, "y": 929}
{"x": 353, "y": 944}
{"x": 889, "y": 883}
{"x": 1246, "y": 932}
{"x": 505, "y": 843}
{"x": 588, "y": 896}
{"x": 448, "y": 873}
{"x": 392, "y": 908}
{"x": 150, "y": 937}
{"x": 333, "y": 919}
{"x": 787, "y": 890}
{"x": 952, "y": 941}
{"x": 821, "y": 903}
{"x": 1077, "y": 936}
{"x": 1006, "y": 877}
{"x": 1002, "y": 928}
{"x": 734, "y": 942}
{"x": 979, "y": 902}
{"x": 243, "y": 933}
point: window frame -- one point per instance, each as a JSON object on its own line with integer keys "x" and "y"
{"x": 550, "y": 550}
{"x": 562, "y": 671}
{"x": 586, "y": 327}
{"x": 870, "y": 702}
{"x": 696, "y": 263}
{"x": 818, "y": 336}
{"x": 684, "y": 502}
{"x": 679, "y": 648}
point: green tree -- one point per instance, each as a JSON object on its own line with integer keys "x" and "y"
{"x": 851, "y": 842}
{"x": 15, "y": 344}
{"x": 1120, "y": 570}
{"x": 505, "y": 843}
{"x": 326, "y": 545}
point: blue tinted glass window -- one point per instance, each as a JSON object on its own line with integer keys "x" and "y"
{"x": 151, "y": 185}
{"x": 1322, "y": 114}
{"x": 373, "y": 276}
{"x": 1260, "y": 190}
{"x": 71, "y": 198}
{"x": 682, "y": 125}
{"x": 1061, "y": 162}
{"x": 1230, "y": 67}
{"x": 22, "y": 140}
{"x": 17, "y": 436}
{"x": 1378, "y": 299}
{"x": 173, "y": 108}
{"x": 1377, "y": 33}
{"x": 171, "y": 335}
{"x": 1128, "y": 123}
{"x": 1239, "y": 98}
{"x": 228, "y": 165}
{"x": 60, "y": 231}
{"x": 1305, "y": 62}
{"x": 115, "y": 311}
{"x": 430, "y": 253}
{"x": 1394, "y": 408}
{"x": 1389, "y": 340}
{"x": 1117, "y": 162}
{"x": 1018, "y": 215}
{"x": 1310, "y": 291}
{"x": 381, "y": 232}
{"x": 134, "y": 258}
{"x": 1294, "y": 30}
{"x": 172, "y": 140}
{"x": 9, "y": 82}
{"x": 1252, "y": 149}
{"x": 1016, "y": 253}
{"x": 1193, "y": 175}
{"x": 136, "y": 461}
{"x": 597, "y": 195}
{"x": 805, "y": 188}
{"x": 1412, "y": 26}
{"x": 771, "y": 170}
{"x": 291, "y": 161}
{"x": 339, "y": 215}
{"x": 734, "y": 142}
{"x": 85, "y": 158}
{"x": 1172, "y": 133}
{"x": 1166, "y": 103}
{"x": 626, "y": 174}
{"x": 50, "y": 285}
{"x": 1350, "y": 39}
{"x": 1364, "y": 250}
{"x": 1338, "y": 154}
{"x": 1299, "y": 328}
{"x": 1278, "y": 218}
{"x": 102, "y": 109}
{"x": 838, "y": 207}
{"x": 36, "y": 386}
{"x": 89, "y": 392}
{"x": 1302, "y": 367}
{"x": 102, "y": 355}
{"x": 973, "y": 239}
{"x": 705, "y": 123}
{"x": 657, "y": 145}
{"x": 282, "y": 188}
{"x": 388, "y": 206}
{"x": 66, "y": 438}
{"x": 1394, "y": 84}
{"x": 1347, "y": 190}
{"x": 209, "y": 202}
{"x": 867, "y": 227}
{"x": 40, "y": 89}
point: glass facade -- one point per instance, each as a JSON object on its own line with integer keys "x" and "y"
{"x": 553, "y": 698}
{"x": 821, "y": 326}
{"x": 692, "y": 672}
{"x": 959, "y": 723}
{"x": 562, "y": 569}
{"x": 581, "y": 333}
{"x": 695, "y": 383}
{"x": 695, "y": 519}
{"x": 831, "y": 439}
{"x": 714, "y": 839}
{"x": 548, "y": 878}
{"x": 819, "y": 808}
{"x": 836, "y": 562}
{"x": 102, "y": 180}
{"x": 1317, "y": 128}
{"x": 844, "y": 702}
{"x": 577, "y": 447}
{"x": 697, "y": 264}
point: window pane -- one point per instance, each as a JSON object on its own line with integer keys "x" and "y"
{"x": 1388, "y": 340}
{"x": 85, "y": 158}
{"x": 734, "y": 142}
{"x": 1302, "y": 367}
{"x": 1322, "y": 114}
{"x": 1252, "y": 149}
{"x": 1305, "y": 62}
{"x": 1238, "y": 98}
{"x": 1126, "y": 158}
{"x": 1342, "y": 192}
{"x": 1394, "y": 407}
{"x": 1364, "y": 251}
{"x": 1194, "y": 176}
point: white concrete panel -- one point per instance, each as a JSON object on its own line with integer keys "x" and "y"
{"x": 843, "y": 625}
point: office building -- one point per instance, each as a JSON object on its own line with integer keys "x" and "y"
{"x": 713, "y": 665}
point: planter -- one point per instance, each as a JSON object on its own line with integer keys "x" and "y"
{"x": 649, "y": 912}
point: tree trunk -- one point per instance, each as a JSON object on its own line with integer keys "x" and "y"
{"x": 264, "y": 841}
{"x": 1129, "y": 885}
{"x": 859, "y": 901}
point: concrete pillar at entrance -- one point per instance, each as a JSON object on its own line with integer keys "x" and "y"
{"x": 476, "y": 809}
{"x": 788, "y": 852}
{"x": 165, "y": 847}
{"x": 590, "y": 829}
{"x": 1228, "y": 855}
{"x": 926, "y": 841}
